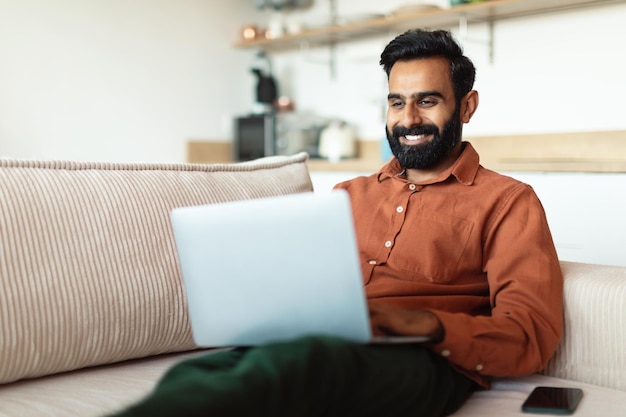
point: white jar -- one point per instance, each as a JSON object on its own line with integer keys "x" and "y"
{"x": 337, "y": 142}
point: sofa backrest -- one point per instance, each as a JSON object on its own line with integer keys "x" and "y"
{"x": 593, "y": 349}
{"x": 88, "y": 269}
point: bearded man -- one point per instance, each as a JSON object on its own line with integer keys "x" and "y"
{"x": 448, "y": 249}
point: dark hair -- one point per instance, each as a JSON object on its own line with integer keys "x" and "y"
{"x": 420, "y": 44}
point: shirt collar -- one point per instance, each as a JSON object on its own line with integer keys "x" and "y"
{"x": 464, "y": 169}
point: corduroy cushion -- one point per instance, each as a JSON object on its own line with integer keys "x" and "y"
{"x": 88, "y": 269}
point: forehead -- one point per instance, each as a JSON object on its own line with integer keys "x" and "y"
{"x": 420, "y": 75}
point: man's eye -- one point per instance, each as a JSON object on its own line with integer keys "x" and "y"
{"x": 427, "y": 103}
{"x": 396, "y": 104}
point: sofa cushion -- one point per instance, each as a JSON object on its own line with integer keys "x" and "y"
{"x": 507, "y": 395}
{"x": 102, "y": 390}
{"x": 88, "y": 268}
{"x": 88, "y": 392}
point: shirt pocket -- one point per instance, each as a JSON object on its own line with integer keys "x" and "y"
{"x": 430, "y": 248}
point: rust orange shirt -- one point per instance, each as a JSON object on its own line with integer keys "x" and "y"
{"x": 473, "y": 247}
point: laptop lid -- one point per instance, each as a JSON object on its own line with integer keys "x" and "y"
{"x": 271, "y": 269}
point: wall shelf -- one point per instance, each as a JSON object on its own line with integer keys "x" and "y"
{"x": 488, "y": 11}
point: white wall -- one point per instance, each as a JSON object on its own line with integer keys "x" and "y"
{"x": 585, "y": 213}
{"x": 119, "y": 80}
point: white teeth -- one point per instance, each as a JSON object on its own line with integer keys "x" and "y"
{"x": 414, "y": 137}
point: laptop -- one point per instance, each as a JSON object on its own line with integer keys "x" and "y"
{"x": 273, "y": 269}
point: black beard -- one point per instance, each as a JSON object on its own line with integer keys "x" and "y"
{"x": 429, "y": 154}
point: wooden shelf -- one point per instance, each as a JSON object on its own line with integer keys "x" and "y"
{"x": 488, "y": 11}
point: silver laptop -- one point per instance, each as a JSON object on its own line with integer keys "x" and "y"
{"x": 273, "y": 269}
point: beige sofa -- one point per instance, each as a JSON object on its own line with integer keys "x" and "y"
{"x": 92, "y": 311}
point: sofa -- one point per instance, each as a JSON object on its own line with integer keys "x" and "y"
{"x": 93, "y": 311}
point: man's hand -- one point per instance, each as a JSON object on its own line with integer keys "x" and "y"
{"x": 394, "y": 321}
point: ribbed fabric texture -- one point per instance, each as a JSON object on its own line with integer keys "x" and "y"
{"x": 88, "y": 269}
{"x": 593, "y": 349}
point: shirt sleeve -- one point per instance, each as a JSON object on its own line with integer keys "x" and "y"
{"x": 526, "y": 286}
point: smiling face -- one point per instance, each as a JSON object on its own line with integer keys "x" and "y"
{"x": 424, "y": 122}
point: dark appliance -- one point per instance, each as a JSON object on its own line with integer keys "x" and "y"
{"x": 266, "y": 90}
{"x": 255, "y": 136}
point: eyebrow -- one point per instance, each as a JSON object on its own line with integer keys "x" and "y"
{"x": 418, "y": 96}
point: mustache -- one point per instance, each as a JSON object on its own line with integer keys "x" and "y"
{"x": 418, "y": 130}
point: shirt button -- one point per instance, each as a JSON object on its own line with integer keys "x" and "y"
{"x": 399, "y": 209}
{"x": 388, "y": 244}
{"x": 445, "y": 353}
{"x": 372, "y": 262}
{"x": 412, "y": 187}
{"x": 479, "y": 367}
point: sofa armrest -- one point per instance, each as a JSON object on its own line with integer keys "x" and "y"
{"x": 593, "y": 349}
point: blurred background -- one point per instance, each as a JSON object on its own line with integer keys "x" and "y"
{"x": 135, "y": 80}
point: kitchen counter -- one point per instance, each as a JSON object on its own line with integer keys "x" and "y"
{"x": 552, "y": 152}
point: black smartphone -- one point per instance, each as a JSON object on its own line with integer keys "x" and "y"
{"x": 552, "y": 400}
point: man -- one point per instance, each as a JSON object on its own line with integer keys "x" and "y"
{"x": 448, "y": 249}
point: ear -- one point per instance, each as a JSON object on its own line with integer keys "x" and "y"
{"x": 469, "y": 104}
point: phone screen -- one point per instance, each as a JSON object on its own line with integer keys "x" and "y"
{"x": 552, "y": 400}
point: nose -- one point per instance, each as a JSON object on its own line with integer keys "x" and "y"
{"x": 411, "y": 117}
